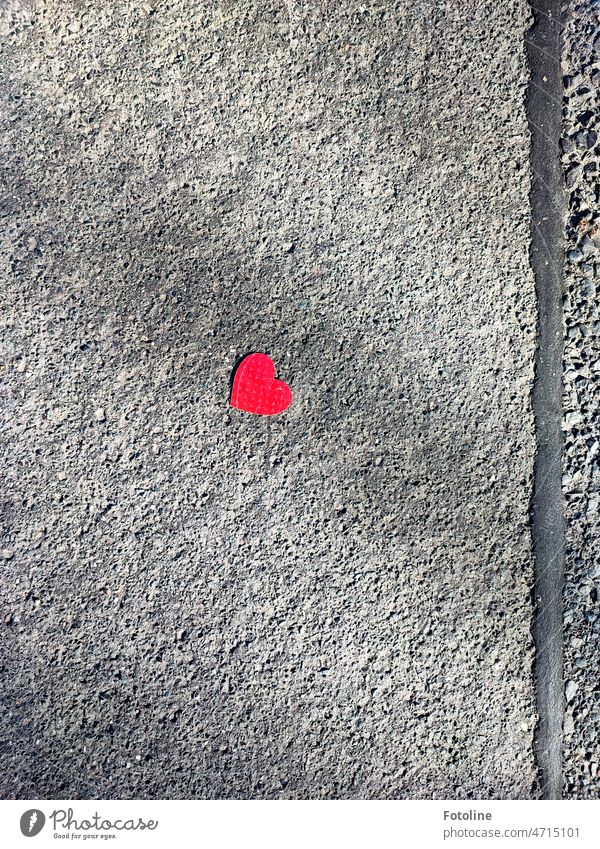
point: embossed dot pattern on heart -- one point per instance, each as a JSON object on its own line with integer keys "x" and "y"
{"x": 255, "y": 389}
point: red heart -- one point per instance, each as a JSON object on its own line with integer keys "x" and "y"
{"x": 255, "y": 389}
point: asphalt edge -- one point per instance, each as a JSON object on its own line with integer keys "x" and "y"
{"x": 544, "y": 114}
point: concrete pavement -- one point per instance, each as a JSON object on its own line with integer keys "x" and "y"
{"x": 333, "y": 603}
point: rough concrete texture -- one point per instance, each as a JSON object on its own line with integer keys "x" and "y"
{"x": 199, "y": 602}
{"x": 581, "y": 479}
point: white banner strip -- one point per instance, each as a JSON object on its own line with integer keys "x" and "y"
{"x": 300, "y": 824}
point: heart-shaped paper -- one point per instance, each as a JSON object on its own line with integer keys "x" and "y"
{"x": 255, "y": 389}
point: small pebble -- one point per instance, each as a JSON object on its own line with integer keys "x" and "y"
{"x": 571, "y": 690}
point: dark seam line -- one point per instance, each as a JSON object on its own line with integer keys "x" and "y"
{"x": 544, "y": 100}
{"x": 543, "y": 50}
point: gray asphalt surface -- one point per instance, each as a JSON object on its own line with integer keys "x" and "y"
{"x": 333, "y": 603}
{"x": 544, "y": 94}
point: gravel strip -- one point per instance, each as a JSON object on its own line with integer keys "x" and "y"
{"x": 581, "y": 478}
